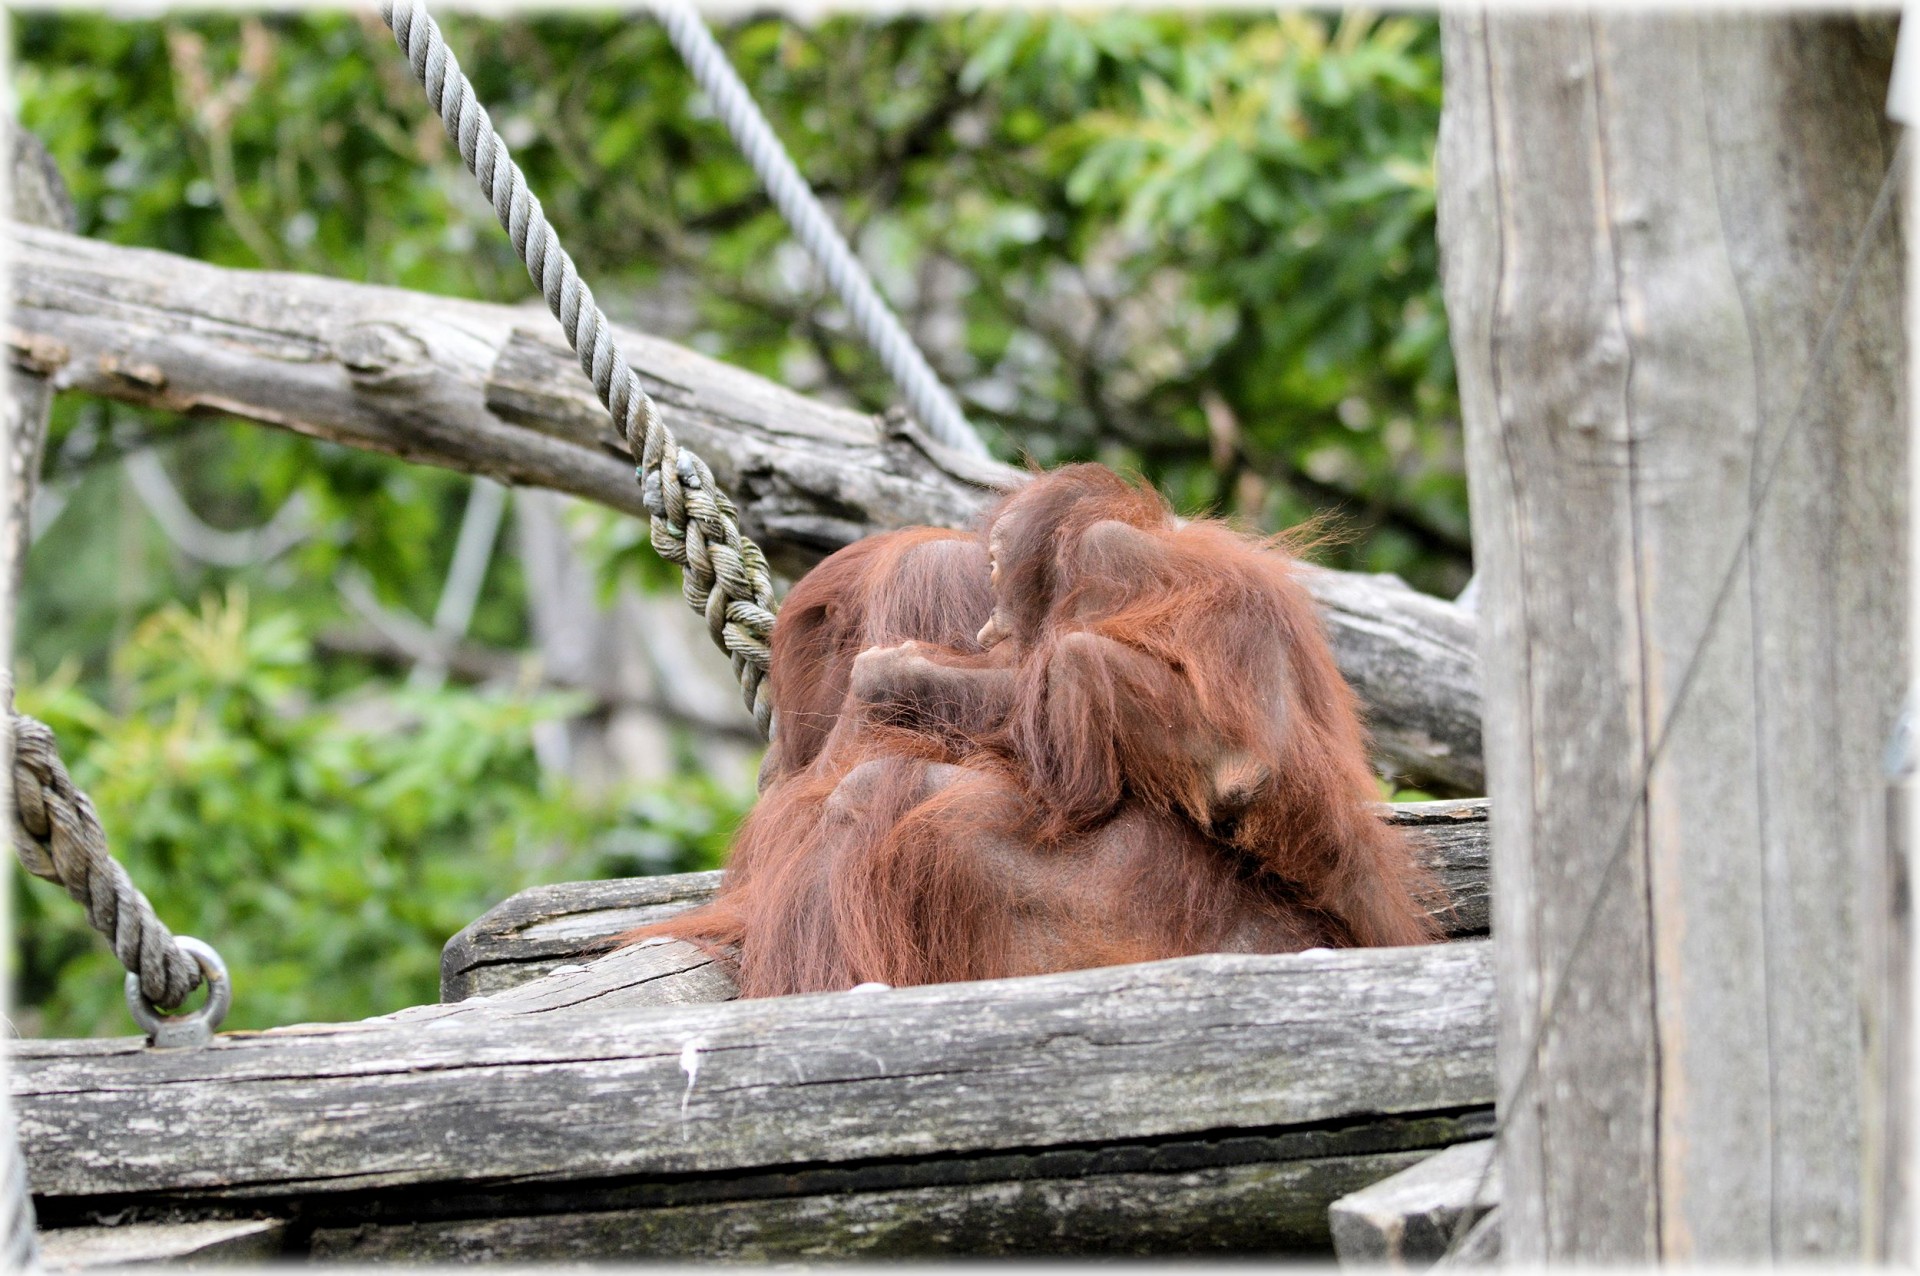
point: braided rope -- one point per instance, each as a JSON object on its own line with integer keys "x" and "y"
{"x": 58, "y": 837}
{"x": 931, "y": 402}
{"x": 694, "y": 525}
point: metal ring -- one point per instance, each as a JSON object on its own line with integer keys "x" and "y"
{"x": 195, "y": 1028}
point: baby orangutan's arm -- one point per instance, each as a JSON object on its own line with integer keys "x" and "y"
{"x": 919, "y": 686}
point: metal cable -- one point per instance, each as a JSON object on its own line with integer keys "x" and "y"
{"x": 930, "y": 401}
{"x": 58, "y": 837}
{"x": 724, "y": 574}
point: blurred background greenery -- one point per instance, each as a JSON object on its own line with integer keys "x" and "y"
{"x": 1199, "y": 245}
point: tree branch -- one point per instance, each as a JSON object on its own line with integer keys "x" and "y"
{"x": 491, "y": 390}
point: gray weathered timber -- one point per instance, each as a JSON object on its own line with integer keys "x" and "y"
{"x": 1262, "y": 1207}
{"x": 1259, "y": 1045}
{"x": 1885, "y": 903}
{"x": 1480, "y": 1247}
{"x": 1413, "y": 659}
{"x": 86, "y": 1248}
{"x": 491, "y": 390}
{"x": 655, "y": 972}
{"x": 528, "y": 934}
{"x": 1409, "y": 1220}
{"x": 1646, "y": 221}
{"x": 38, "y": 196}
{"x": 412, "y": 375}
{"x": 544, "y": 927}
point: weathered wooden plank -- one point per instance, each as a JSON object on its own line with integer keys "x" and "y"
{"x": 1480, "y": 1247}
{"x": 1263, "y": 1207}
{"x": 36, "y": 195}
{"x": 1529, "y": 277}
{"x": 1414, "y": 661}
{"x": 1192, "y": 1047}
{"x": 545, "y": 927}
{"x": 657, "y": 972}
{"x": 1410, "y": 1219}
{"x": 490, "y": 390}
{"x": 246, "y": 1240}
{"x": 1070, "y": 1204}
{"x": 1647, "y": 223}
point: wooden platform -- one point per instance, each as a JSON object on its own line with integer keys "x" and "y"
{"x": 1211, "y": 1104}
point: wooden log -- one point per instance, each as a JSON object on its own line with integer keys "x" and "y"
{"x": 491, "y": 390}
{"x": 1410, "y": 1220}
{"x": 413, "y": 375}
{"x": 37, "y": 196}
{"x": 1648, "y": 221}
{"x": 653, "y": 973}
{"x": 1414, "y": 661}
{"x": 542, "y": 928}
{"x": 1057, "y": 1079}
{"x": 1268, "y": 1207}
{"x": 546, "y": 927}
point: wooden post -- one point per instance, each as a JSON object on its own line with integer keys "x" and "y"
{"x": 35, "y": 194}
{"x": 1646, "y": 219}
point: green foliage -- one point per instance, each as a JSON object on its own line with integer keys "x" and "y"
{"x": 326, "y": 847}
{"x": 1199, "y": 244}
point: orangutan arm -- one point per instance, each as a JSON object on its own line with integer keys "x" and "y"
{"x": 920, "y": 686}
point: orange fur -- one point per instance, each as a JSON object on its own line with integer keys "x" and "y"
{"x": 1154, "y": 755}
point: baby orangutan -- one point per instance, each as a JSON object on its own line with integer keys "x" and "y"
{"x": 1145, "y": 751}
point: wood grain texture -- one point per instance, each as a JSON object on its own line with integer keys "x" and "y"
{"x": 1409, "y": 1220}
{"x": 1276, "y": 1208}
{"x": 39, "y": 198}
{"x": 1185, "y": 1049}
{"x": 545, "y": 927}
{"x": 490, "y": 389}
{"x": 1646, "y": 221}
{"x": 208, "y": 1241}
{"x": 415, "y": 376}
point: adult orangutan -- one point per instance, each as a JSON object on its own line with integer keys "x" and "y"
{"x": 1145, "y": 752}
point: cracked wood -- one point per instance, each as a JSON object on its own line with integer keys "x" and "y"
{"x": 1175, "y": 1048}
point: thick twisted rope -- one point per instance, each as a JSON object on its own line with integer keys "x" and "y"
{"x": 928, "y": 398}
{"x": 694, "y": 525}
{"x": 58, "y": 837}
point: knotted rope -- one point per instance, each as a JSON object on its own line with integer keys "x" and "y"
{"x": 58, "y": 837}
{"x": 693, "y": 523}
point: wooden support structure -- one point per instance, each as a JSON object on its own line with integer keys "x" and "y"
{"x": 1206, "y": 1104}
{"x": 492, "y": 390}
{"x": 1411, "y": 1219}
{"x": 1647, "y": 221}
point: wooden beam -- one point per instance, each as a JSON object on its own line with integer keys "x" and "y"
{"x": 490, "y": 389}
{"x": 1280, "y": 1059}
{"x": 545, "y": 927}
{"x": 1066, "y": 1209}
{"x": 416, "y": 376}
{"x": 1410, "y": 1219}
{"x": 1649, "y": 223}
{"x": 124, "y": 1245}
